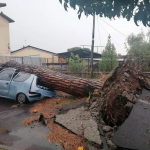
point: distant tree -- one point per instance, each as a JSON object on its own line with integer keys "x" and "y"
{"x": 73, "y": 49}
{"x": 138, "y": 47}
{"x": 148, "y": 35}
{"x": 77, "y": 48}
{"x": 87, "y": 49}
{"x": 109, "y": 57}
{"x": 75, "y": 63}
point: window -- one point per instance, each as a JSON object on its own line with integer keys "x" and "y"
{"x": 21, "y": 77}
{"x": 6, "y": 75}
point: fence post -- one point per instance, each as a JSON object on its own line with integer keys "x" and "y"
{"x": 82, "y": 68}
{"x": 53, "y": 60}
{"x": 47, "y": 62}
{"x": 111, "y": 63}
{"x": 88, "y": 66}
{"x": 22, "y": 60}
{"x": 138, "y": 62}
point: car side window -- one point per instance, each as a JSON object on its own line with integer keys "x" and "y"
{"x": 6, "y": 75}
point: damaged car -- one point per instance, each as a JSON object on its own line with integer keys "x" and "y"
{"x": 22, "y": 87}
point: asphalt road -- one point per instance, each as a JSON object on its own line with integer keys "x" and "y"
{"x": 14, "y": 135}
{"x": 134, "y": 133}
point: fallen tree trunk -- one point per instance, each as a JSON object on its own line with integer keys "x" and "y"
{"x": 114, "y": 102}
{"x": 54, "y": 80}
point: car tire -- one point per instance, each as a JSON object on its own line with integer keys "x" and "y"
{"x": 21, "y": 98}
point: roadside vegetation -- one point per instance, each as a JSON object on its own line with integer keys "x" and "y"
{"x": 109, "y": 57}
{"x": 76, "y": 64}
{"x": 138, "y": 48}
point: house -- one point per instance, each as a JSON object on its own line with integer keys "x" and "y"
{"x": 84, "y": 54}
{"x": 81, "y": 52}
{"x": 34, "y": 55}
{"x": 4, "y": 34}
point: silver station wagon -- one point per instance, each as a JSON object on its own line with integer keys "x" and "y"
{"x": 22, "y": 87}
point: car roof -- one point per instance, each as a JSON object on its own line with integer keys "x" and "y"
{"x": 9, "y": 69}
{"x": 18, "y": 72}
{"x": 25, "y": 72}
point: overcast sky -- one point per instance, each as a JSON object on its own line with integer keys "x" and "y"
{"x": 46, "y": 25}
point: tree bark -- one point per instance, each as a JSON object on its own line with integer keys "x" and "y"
{"x": 54, "y": 80}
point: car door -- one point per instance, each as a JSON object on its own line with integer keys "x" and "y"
{"x": 5, "y": 80}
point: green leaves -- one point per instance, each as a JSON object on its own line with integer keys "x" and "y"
{"x": 65, "y": 6}
{"x": 73, "y": 4}
{"x": 75, "y": 63}
{"x": 112, "y": 8}
{"x": 80, "y": 12}
{"x": 139, "y": 49}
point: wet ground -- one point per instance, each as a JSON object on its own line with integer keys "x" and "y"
{"x": 134, "y": 133}
{"x": 13, "y": 134}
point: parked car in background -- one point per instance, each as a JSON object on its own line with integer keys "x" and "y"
{"x": 22, "y": 87}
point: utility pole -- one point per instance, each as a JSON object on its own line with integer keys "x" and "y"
{"x": 92, "y": 47}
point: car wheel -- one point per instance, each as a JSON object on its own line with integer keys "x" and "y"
{"x": 21, "y": 98}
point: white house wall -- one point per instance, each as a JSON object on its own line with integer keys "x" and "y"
{"x": 4, "y": 37}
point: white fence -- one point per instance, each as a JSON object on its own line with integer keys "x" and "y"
{"x": 29, "y": 60}
{"x": 24, "y": 60}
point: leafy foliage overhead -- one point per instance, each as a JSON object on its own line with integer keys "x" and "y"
{"x": 138, "y": 9}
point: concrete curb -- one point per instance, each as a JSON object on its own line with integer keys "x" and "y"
{"x": 7, "y": 148}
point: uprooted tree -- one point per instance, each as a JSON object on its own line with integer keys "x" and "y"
{"x": 111, "y": 102}
{"x": 54, "y": 80}
{"x": 114, "y": 101}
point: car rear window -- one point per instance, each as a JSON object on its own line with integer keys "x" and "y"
{"x": 22, "y": 77}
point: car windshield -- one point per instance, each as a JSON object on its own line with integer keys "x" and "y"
{"x": 6, "y": 74}
{"x": 21, "y": 77}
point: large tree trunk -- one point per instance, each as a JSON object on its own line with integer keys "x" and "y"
{"x": 54, "y": 80}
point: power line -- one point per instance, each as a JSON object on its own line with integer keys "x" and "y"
{"x": 113, "y": 28}
{"x": 112, "y": 37}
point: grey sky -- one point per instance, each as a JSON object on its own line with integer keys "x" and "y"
{"x": 45, "y": 24}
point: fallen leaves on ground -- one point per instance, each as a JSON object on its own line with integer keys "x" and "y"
{"x": 64, "y": 137}
{"x": 30, "y": 120}
{"x": 57, "y": 134}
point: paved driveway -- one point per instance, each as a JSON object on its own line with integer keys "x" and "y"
{"x": 12, "y": 134}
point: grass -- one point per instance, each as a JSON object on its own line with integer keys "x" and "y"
{"x": 95, "y": 79}
{"x": 53, "y": 104}
{"x": 89, "y": 141}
